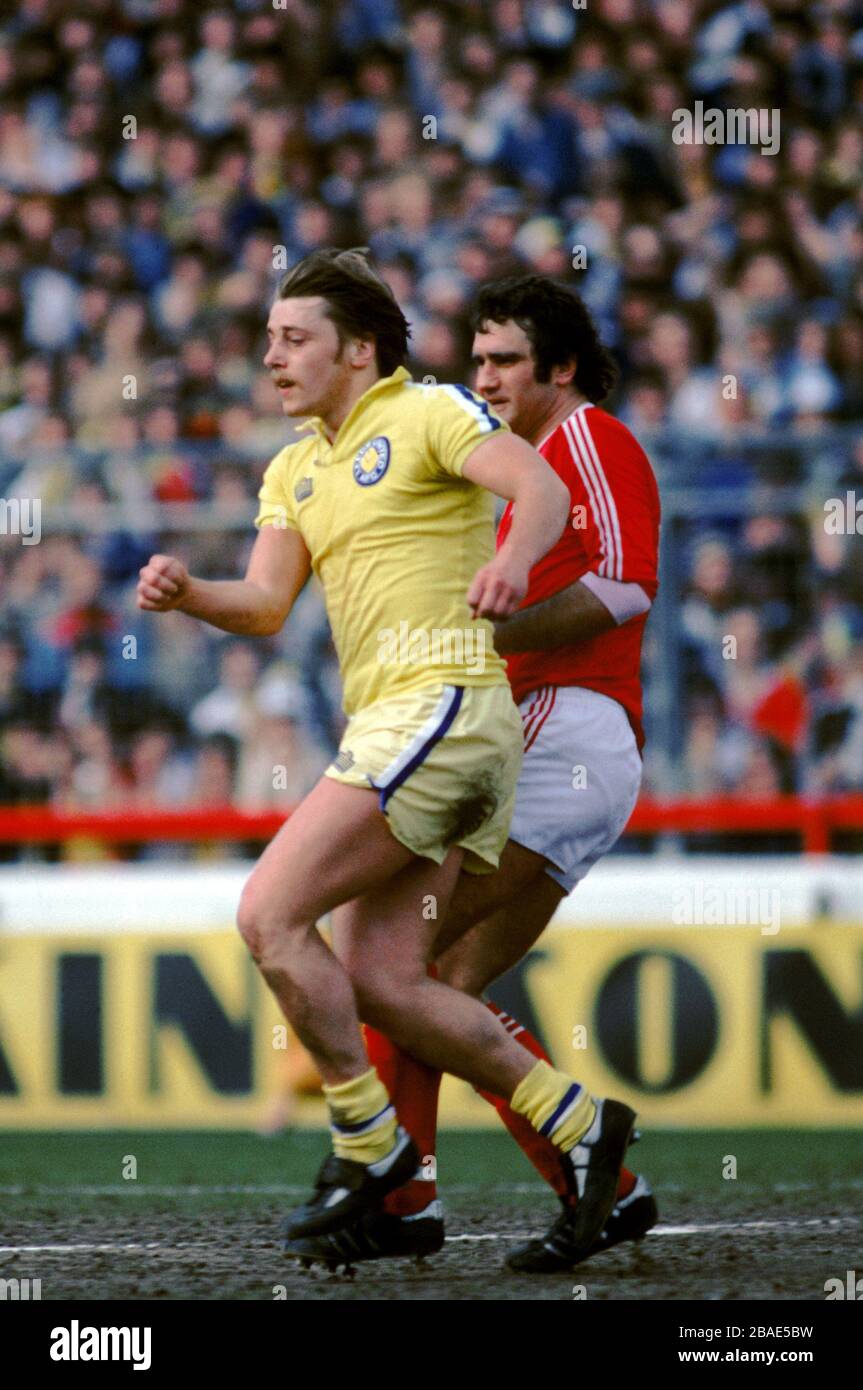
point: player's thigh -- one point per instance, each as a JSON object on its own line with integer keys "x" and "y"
{"x": 385, "y": 938}
{"x": 335, "y": 846}
{"x": 476, "y": 896}
{"x": 491, "y": 947}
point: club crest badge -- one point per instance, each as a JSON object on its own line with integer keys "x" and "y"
{"x": 372, "y": 461}
{"x": 304, "y": 488}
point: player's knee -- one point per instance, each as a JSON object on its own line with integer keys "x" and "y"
{"x": 248, "y": 928}
{"x": 466, "y": 983}
{"x": 253, "y": 924}
{"x": 467, "y": 976}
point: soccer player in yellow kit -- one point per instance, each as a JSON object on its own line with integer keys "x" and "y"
{"x": 389, "y": 501}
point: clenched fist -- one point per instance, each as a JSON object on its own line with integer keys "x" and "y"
{"x": 498, "y": 588}
{"x": 163, "y": 584}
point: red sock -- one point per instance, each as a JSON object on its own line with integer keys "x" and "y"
{"x": 545, "y": 1156}
{"x": 413, "y": 1089}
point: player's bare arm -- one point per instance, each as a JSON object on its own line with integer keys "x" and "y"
{"x": 256, "y": 606}
{"x": 510, "y": 467}
{"x": 573, "y": 615}
{"x": 570, "y": 616}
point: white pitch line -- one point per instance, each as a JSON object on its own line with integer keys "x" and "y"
{"x": 133, "y": 1188}
{"x": 707, "y": 1229}
{"x": 155, "y": 1248}
{"x": 72, "y": 1250}
{"x": 755, "y": 1226}
{"x": 831, "y": 1222}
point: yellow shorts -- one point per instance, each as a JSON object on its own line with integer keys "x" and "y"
{"x": 445, "y": 760}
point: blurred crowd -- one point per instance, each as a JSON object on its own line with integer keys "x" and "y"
{"x": 771, "y": 647}
{"x": 161, "y": 163}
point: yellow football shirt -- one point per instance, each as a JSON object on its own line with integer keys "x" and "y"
{"x": 396, "y": 535}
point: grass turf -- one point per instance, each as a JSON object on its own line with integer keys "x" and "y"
{"x": 182, "y": 1230}
{"x": 686, "y": 1160}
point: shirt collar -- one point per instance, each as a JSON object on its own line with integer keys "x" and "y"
{"x": 382, "y": 384}
{"x": 584, "y": 406}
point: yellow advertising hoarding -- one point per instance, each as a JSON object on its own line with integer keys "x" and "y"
{"x": 693, "y": 1026}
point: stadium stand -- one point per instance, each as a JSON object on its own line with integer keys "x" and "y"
{"x": 160, "y": 163}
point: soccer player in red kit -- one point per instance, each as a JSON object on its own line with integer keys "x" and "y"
{"x": 573, "y": 654}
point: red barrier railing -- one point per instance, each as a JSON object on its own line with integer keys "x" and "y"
{"x": 815, "y": 821}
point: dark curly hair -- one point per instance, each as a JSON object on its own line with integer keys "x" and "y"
{"x": 558, "y": 324}
{"x": 359, "y": 302}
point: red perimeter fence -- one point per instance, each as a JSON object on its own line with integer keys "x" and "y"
{"x": 814, "y": 822}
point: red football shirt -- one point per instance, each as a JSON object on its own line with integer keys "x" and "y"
{"x": 613, "y": 530}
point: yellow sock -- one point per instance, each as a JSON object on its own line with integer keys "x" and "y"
{"x": 362, "y": 1118}
{"x": 555, "y": 1105}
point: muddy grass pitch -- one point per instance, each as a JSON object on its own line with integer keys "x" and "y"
{"x": 200, "y": 1219}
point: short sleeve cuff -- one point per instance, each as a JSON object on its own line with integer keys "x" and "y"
{"x": 274, "y": 514}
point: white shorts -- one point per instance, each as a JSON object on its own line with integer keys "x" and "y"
{"x": 579, "y": 779}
